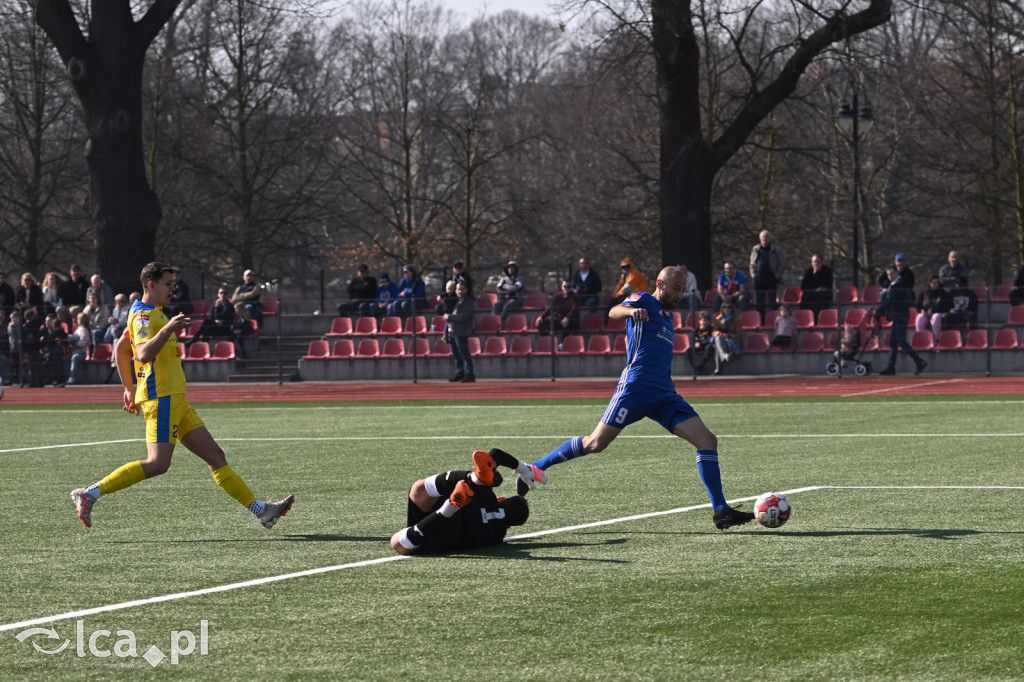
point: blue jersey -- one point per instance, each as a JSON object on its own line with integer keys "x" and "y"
{"x": 649, "y": 348}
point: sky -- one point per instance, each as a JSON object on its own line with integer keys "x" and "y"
{"x": 472, "y": 8}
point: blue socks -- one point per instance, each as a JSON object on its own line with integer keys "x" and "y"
{"x": 711, "y": 475}
{"x": 570, "y": 449}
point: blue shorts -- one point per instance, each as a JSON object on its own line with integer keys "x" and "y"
{"x": 632, "y": 402}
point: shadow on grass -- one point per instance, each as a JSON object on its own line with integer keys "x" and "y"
{"x": 524, "y": 550}
{"x": 315, "y": 537}
{"x": 933, "y": 533}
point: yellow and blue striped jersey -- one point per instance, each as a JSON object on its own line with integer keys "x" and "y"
{"x": 163, "y": 376}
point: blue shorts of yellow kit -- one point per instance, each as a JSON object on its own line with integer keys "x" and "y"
{"x": 169, "y": 419}
{"x": 632, "y": 402}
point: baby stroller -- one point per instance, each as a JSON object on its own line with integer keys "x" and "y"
{"x": 851, "y": 348}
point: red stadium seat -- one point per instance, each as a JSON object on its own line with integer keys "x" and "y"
{"x": 872, "y": 294}
{"x": 343, "y": 348}
{"x": 317, "y": 349}
{"x": 750, "y": 320}
{"x": 390, "y": 326}
{"x": 269, "y": 305}
{"x": 757, "y": 342}
{"x": 615, "y": 326}
{"x": 791, "y": 296}
{"x": 494, "y": 347}
{"x": 1016, "y": 316}
{"x": 489, "y": 324}
{"x": 599, "y": 344}
{"x": 201, "y": 307}
{"x": 365, "y": 326}
{"x": 421, "y": 347}
{"x": 341, "y": 326}
{"x": 536, "y": 300}
{"x": 474, "y": 345}
{"x": 521, "y": 346}
{"x": 516, "y": 323}
{"x": 225, "y": 350}
{"x": 437, "y": 325}
{"x": 828, "y": 318}
{"x": 949, "y": 339}
{"x": 811, "y": 342}
{"x": 848, "y": 294}
{"x": 619, "y": 345}
{"x": 421, "y": 325}
{"x": 393, "y": 348}
{"x": 485, "y": 302}
{"x": 572, "y": 345}
{"x": 102, "y": 352}
{"x": 977, "y": 339}
{"x": 922, "y": 341}
{"x": 804, "y": 319}
{"x": 769, "y": 319}
{"x": 680, "y": 343}
{"x": 442, "y": 349}
{"x": 1005, "y": 339}
{"x": 855, "y": 316}
{"x": 368, "y": 348}
{"x": 592, "y": 322}
{"x": 1002, "y": 293}
{"x": 200, "y": 350}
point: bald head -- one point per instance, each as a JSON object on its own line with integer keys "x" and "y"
{"x": 669, "y": 286}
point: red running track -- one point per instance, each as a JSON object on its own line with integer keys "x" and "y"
{"x": 545, "y": 390}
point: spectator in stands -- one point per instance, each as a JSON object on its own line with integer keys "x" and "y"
{"x": 964, "y": 314}
{"x": 31, "y": 358}
{"x": 5, "y": 348}
{"x": 181, "y": 300}
{"x": 932, "y": 304}
{"x": 52, "y": 283}
{"x": 248, "y": 292}
{"x": 816, "y": 286}
{"x": 951, "y": 271}
{"x": 387, "y": 292}
{"x": 29, "y": 294}
{"x": 586, "y": 285}
{"x": 447, "y": 300}
{"x": 767, "y": 268}
{"x": 895, "y": 305}
{"x": 7, "y": 297}
{"x": 362, "y": 290}
{"x": 691, "y": 294}
{"x": 1017, "y": 293}
{"x": 785, "y": 328}
{"x": 728, "y": 332}
{"x": 631, "y": 281}
{"x": 118, "y": 319}
{"x": 906, "y": 275}
{"x": 99, "y": 317}
{"x": 703, "y": 347}
{"x": 73, "y": 291}
{"x": 412, "y": 294}
{"x": 511, "y": 287}
{"x": 14, "y": 346}
{"x": 562, "y": 316}
{"x": 460, "y": 328}
{"x": 80, "y": 341}
{"x": 459, "y": 274}
{"x": 102, "y": 290}
{"x": 732, "y": 288}
{"x": 220, "y": 320}
{"x": 55, "y": 347}
{"x": 240, "y": 329}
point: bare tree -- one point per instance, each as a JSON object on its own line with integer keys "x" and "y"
{"x": 105, "y": 65}
{"x": 39, "y": 220}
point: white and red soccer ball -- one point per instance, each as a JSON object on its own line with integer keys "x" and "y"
{"x": 772, "y": 510}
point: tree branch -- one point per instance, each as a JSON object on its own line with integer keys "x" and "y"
{"x": 760, "y": 103}
{"x": 158, "y": 14}
{"x": 58, "y": 21}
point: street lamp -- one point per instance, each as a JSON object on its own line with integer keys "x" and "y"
{"x": 855, "y": 120}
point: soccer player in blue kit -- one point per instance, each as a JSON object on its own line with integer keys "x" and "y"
{"x": 645, "y": 389}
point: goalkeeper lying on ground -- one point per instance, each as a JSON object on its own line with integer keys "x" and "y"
{"x": 459, "y": 510}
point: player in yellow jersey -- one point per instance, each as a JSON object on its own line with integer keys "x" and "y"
{"x": 160, "y": 397}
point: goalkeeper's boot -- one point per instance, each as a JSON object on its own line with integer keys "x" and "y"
{"x": 272, "y": 511}
{"x": 83, "y": 505}
{"x": 526, "y": 483}
{"x": 729, "y": 517}
{"x": 462, "y": 495}
{"x": 483, "y": 467}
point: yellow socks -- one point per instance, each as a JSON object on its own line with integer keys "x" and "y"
{"x": 122, "y": 477}
{"x": 233, "y": 485}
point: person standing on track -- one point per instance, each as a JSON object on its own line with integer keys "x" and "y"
{"x": 160, "y": 397}
{"x": 645, "y": 389}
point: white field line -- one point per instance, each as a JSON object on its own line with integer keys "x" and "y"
{"x": 905, "y": 387}
{"x": 81, "y": 613}
{"x": 312, "y": 439}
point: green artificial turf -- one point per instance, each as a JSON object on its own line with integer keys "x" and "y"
{"x": 901, "y": 578}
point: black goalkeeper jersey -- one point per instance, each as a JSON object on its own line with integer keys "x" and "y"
{"x": 479, "y": 524}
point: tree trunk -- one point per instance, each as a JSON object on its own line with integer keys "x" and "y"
{"x": 106, "y": 73}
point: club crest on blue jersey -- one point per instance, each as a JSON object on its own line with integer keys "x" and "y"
{"x": 631, "y": 298}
